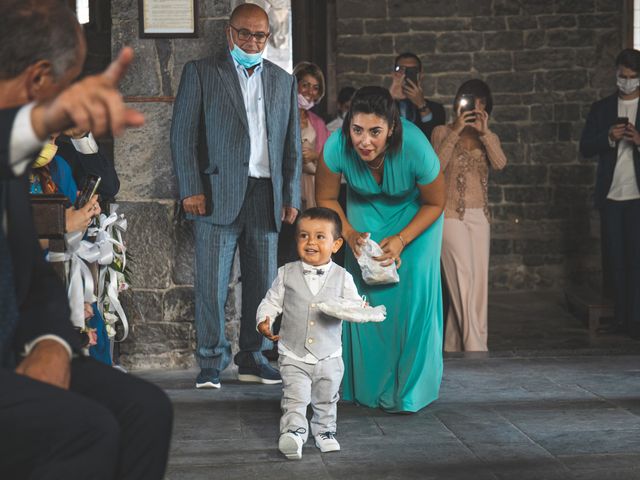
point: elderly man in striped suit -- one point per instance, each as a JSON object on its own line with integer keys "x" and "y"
{"x": 236, "y": 149}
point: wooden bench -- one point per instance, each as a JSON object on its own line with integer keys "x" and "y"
{"x": 590, "y": 306}
{"x": 49, "y": 220}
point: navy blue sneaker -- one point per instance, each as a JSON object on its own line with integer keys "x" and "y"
{"x": 208, "y": 378}
{"x": 263, "y": 373}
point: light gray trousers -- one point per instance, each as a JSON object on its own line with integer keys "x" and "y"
{"x": 304, "y": 384}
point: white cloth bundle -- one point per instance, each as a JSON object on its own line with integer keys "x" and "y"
{"x": 358, "y": 312}
{"x": 373, "y": 273}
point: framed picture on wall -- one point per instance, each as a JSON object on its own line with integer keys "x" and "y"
{"x": 168, "y": 18}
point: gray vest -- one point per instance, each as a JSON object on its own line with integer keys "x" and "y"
{"x": 304, "y": 327}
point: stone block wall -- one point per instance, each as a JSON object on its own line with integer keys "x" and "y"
{"x": 546, "y": 61}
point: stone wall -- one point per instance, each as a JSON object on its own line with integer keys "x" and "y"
{"x": 546, "y": 62}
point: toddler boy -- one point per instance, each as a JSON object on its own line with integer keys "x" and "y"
{"x": 310, "y": 342}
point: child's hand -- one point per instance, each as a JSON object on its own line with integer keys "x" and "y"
{"x": 264, "y": 328}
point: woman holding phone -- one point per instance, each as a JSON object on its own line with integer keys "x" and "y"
{"x": 467, "y": 148}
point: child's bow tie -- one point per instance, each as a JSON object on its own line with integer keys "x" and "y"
{"x": 317, "y": 271}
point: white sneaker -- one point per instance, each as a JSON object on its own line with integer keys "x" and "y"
{"x": 326, "y": 442}
{"x": 290, "y": 445}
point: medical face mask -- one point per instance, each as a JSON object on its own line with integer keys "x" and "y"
{"x": 247, "y": 60}
{"x": 46, "y": 155}
{"x": 628, "y": 85}
{"x": 303, "y": 103}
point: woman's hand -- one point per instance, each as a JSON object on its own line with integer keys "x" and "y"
{"x": 309, "y": 154}
{"x": 264, "y": 328}
{"x": 77, "y": 220}
{"x": 482, "y": 122}
{"x": 463, "y": 120}
{"x": 392, "y": 248}
{"x": 355, "y": 240}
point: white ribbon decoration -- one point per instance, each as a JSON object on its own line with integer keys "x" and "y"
{"x": 80, "y": 279}
{"x": 105, "y": 241}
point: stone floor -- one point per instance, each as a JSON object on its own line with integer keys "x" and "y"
{"x": 549, "y": 402}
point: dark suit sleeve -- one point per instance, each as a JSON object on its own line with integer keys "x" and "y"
{"x": 595, "y": 136}
{"x": 45, "y": 308}
{"x": 437, "y": 118}
{"x": 7, "y": 116}
{"x": 41, "y": 297}
{"x": 184, "y": 132}
{"x": 83, "y": 165}
{"x": 292, "y": 161}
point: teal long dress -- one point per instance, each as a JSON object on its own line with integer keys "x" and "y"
{"x": 395, "y": 365}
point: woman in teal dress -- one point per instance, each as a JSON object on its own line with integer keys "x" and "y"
{"x": 395, "y": 193}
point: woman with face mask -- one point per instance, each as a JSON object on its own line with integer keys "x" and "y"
{"x": 468, "y": 149}
{"x": 395, "y": 194}
{"x": 611, "y": 133}
{"x": 313, "y": 130}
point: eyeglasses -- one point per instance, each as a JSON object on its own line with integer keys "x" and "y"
{"x": 245, "y": 35}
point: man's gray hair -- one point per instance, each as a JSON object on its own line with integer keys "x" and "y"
{"x": 35, "y": 30}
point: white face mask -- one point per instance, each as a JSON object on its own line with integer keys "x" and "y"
{"x": 628, "y": 85}
{"x": 303, "y": 103}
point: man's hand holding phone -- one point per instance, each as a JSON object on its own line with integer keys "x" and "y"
{"x": 411, "y": 87}
{"x": 617, "y": 130}
{"x": 631, "y": 134}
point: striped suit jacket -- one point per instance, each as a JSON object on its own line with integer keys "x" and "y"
{"x": 210, "y": 142}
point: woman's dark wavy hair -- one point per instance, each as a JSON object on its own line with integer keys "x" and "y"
{"x": 478, "y": 89}
{"x": 376, "y": 100}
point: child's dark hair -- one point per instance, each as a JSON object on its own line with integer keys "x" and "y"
{"x": 322, "y": 213}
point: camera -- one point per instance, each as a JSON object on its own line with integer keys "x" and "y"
{"x": 467, "y": 103}
{"x": 88, "y": 190}
{"x": 411, "y": 73}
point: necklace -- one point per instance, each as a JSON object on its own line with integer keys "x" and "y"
{"x": 377, "y": 167}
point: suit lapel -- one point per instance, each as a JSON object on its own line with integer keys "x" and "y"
{"x": 268, "y": 85}
{"x": 229, "y": 78}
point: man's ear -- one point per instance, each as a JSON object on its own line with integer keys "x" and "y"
{"x": 39, "y": 78}
{"x": 337, "y": 244}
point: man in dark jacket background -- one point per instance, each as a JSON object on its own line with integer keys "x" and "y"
{"x": 611, "y": 134}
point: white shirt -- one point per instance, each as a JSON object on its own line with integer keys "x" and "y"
{"x": 271, "y": 305}
{"x": 253, "y": 96}
{"x": 336, "y": 123}
{"x": 624, "y": 185}
{"x": 23, "y": 143}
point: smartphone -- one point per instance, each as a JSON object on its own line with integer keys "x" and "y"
{"x": 88, "y": 190}
{"x": 467, "y": 103}
{"x": 622, "y": 121}
{"x": 411, "y": 73}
